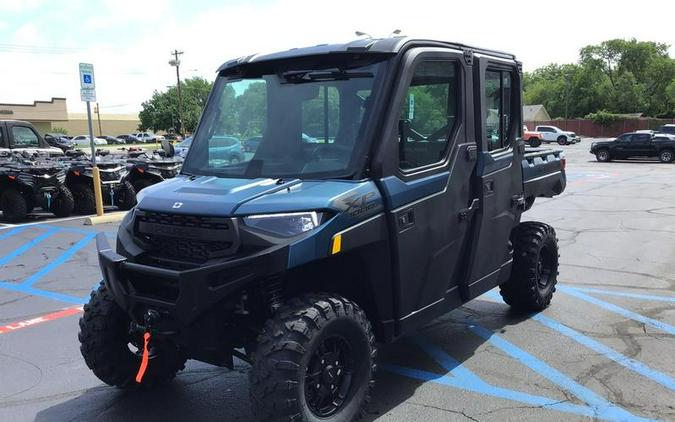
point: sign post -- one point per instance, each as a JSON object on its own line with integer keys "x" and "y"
{"x": 88, "y": 94}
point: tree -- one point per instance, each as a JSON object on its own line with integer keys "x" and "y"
{"x": 619, "y": 76}
{"x": 160, "y": 112}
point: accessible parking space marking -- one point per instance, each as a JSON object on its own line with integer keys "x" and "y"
{"x": 39, "y": 320}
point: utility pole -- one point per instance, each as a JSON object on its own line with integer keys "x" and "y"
{"x": 176, "y": 63}
{"x": 97, "y": 110}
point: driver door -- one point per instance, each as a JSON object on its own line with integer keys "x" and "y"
{"x": 433, "y": 161}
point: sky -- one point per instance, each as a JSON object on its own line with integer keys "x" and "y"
{"x": 130, "y": 41}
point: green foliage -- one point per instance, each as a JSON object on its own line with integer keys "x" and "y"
{"x": 620, "y": 76}
{"x": 160, "y": 113}
{"x": 604, "y": 118}
{"x": 60, "y": 130}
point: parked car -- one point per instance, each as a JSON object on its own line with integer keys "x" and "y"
{"x": 129, "y": 139}
{"x": 301, "y": 264}
{"x": 111, "y": 140}
{"x": 225, "y": 148}
{"x": 532, "y": 138}
{"x": 668, "y": 128}
{"x": 20, "y": 136}
{"x": 183, "y": 147}
{"x": 146, "y": 137}
{"x": 555, "y": 134}
{"x": 60, "y": 141}
{"x": 636, "y": 144}
{"x": 251, "y": 144}
{"x": 83, "y": 141}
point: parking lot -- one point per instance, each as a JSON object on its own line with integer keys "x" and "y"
{"x": 603, "y": 350}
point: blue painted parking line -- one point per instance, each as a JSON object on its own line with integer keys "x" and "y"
{"x": 59, "y": 260}
{"x": 662, "y": 326}
{"x": 601, "y": 407}
{"x": 43, "y": 293}
{"x": 12, "y": 232}
{"x": 490, "y": 390}
{"x": 29, "y": 245}
{"x": 608, "y": 352}
{"x": 626, "y": 294}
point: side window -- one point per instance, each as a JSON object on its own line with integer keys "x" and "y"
{"x": 24, "y": 137}
{"x": 498, "y": 114}
{"x": 624, "y": 138}
{"x": 428, "y": 114}
{"x": 644, "y": 137}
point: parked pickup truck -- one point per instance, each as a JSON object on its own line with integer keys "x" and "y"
{"x": 555, "y": 134}
{"x": 20, "y": 136}
{"x": 303, "y": 256}
{"x": 636, "y": 144}
{"x": 531, "y": 138}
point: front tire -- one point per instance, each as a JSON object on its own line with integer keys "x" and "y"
{"x": 666, "y": 156}
{"x": 603, "y": 156}
{"x": 315, "y": 361}
{"x": 14, "y": 205}
{"x": 83, "y": 194}
{"x": 535, "y": 142}
{"x": 126, "y": 196}
{"x": 535, "y": 267}
{"x": 562, "y": 140}
{"x": 113, "y": 354}
{"x": 63, "y": 204}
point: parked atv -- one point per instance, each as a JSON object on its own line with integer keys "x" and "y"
{"x": 363, "y": 214}
{"x": 116, "y": 190}
{"x": 147, "y": 169}
{"x": 27, "y": 180}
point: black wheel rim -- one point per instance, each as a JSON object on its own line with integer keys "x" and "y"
{"x": 329, "y": 376}
{"x": 545, "y": 267}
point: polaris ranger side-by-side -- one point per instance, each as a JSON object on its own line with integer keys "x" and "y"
{"x": 301, "y": 257}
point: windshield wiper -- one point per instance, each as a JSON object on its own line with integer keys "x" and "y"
{"x": 300, "y": 76}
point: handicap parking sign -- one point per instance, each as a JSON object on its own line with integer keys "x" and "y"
{"x": 87, "y": 78}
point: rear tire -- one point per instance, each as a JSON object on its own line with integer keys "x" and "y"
{"x": 315, "y": 361}
{"x": 105, "y": 345}
{"x": 126, "y": 196}
{"x": 63, "y": 204}
{"x": 83, "y": 194}
{"x": 535, "y": 142}
{"x": 666, "y": 156}
{"x": 535, "y": 267}
{"x": 13, "y": 205}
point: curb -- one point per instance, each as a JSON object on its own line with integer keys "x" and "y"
{"x": 105, "y": 218}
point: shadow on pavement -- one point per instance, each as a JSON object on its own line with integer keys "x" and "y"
{"x": 206, "y": 393}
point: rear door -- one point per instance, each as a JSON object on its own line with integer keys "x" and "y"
{"x": 430, "y": 162}
{"x": 642, "y": 146}
{"x": 499, "y": 173}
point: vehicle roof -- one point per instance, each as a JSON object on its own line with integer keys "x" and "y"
{"x": 23, "y": 122}
{"x": 391, "y": 45}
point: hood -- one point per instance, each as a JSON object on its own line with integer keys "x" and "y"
{"x": 214, "y": 196}
{"x": 567, "y": 132}
{"x": 51, "y": 151}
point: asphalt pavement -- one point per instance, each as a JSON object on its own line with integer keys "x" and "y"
{"x": 603, "y": 350}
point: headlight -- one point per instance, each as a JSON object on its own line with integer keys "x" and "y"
{"x": 285, "y": 225}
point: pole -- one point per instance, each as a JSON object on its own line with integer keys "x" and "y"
{"x": 95, "y": 172}
{"x": 98, "y": 115}
{"x": 176, "y": 53}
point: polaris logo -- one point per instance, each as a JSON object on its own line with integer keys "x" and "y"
{"x": 177, "y": 205}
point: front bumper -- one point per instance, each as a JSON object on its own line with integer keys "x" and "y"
{"x": 187, "y": 294}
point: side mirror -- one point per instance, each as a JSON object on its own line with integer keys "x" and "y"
{"x": 168, "y": 148}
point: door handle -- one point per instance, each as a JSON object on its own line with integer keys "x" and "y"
{"x": 406, "y": 219}
{"x": 465, "y": 213}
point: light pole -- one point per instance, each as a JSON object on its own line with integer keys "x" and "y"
{"x": 176, "y": 63}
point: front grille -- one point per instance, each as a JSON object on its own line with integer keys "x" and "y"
{"x": 186, "y": 237}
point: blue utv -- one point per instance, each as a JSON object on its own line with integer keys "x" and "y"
{"x": 387, "y": 189}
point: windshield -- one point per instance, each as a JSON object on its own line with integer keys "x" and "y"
{"x": 309, "y": 123}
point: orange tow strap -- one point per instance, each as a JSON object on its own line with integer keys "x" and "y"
{"x": 144, "y": 359}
